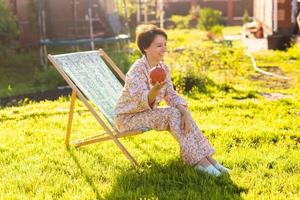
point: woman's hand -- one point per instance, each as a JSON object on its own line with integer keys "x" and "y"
{"x": 186, "y": 122}
{"x": 154, "y": 92}
{"x": 186, "y": 118}
{"x": 158, "y": 85}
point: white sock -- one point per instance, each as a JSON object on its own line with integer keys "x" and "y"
{"x": 221, "y": 168}
{"x": 211, "y": 170}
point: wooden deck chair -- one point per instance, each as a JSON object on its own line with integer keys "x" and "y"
{"x": 91, "y": 79}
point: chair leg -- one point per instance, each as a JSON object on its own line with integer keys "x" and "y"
{"x": 70, "y": 120}
{"x": 124, "y": 150}
{"x": 101, "y": 138}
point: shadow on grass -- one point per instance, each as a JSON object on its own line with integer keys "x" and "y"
{"x": 208, "y": 87}
{"x": 87, "y": 177}
{"x": 172, "y": 181}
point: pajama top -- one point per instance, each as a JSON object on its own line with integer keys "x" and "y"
{"x": 134, "y": 96}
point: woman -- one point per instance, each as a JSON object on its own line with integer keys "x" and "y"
{"x": 137, "y": 106}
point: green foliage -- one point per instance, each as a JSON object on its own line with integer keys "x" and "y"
{"x": 227, "y": 58}
{"x": 192, "y": 67}
{"x": 232, "y": 30}
{"x": 47, "y": 78}
{"x": 124, "y": 58}
{"x": 209, "y": 18}
{"x": 131, "y": 15}
{"x": 246, "y": 17}
{"x": 8, "y": 26}
{"x": 188, "y": 82}
{"x": 21, "y": 60}
{"x": 19, "y": 81}
{"x": 131, "y": 7}
{"x": 294, "y": 52}
{"x": 181, "y": 22}
{"x": 17, "y": 72}
{"x": 216, "y": 33}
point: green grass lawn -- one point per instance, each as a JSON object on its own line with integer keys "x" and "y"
{"x": 232, "y": 30}
{"x": 259, "y": 139}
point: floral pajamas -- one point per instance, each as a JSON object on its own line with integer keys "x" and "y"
{"x": 134, "y": 113}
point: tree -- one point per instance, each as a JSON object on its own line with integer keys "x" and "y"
{"x": 8, "y": 26}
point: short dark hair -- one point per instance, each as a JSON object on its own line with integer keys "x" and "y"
{"x": 145, "y": 35}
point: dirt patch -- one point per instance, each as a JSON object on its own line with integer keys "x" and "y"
{"x": 276, "y": 96}
{"x": 271, "y": 81}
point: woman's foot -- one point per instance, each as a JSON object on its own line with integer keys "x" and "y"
{"x": 217, "y": 165}
{"x": 221, "y": 168}
{"x": 210, "y": 170}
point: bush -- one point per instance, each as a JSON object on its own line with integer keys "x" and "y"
{"x": 49, "y": 78}
{"x": 294, "y": 52}
{"x": 186, "y": 83}
{"x": 209, "y": 18}
{"x": 180, "y": 22}
{"x": 191, "y": 68}
{"x": 216, "y": 32}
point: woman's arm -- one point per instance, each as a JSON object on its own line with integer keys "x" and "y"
{"x": 174, "y": 100}
{"x": 183, "y": 109}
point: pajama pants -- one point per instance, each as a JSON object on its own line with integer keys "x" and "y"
{"x": 194, "y": 146}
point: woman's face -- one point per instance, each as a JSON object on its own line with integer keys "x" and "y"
{"x": 157, "y": 48}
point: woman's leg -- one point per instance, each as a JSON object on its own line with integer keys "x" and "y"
{"x": 157, "y": 119}
{"x": 194, "y": 146}
{"x": 204, "y": 162}
{"x": 211, "y": 160}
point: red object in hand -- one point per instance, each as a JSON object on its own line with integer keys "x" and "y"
{"x": 157, "y": 74}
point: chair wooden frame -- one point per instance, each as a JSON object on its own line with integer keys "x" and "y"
{"x": 109, "y": 133}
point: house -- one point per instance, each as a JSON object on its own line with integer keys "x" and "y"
{"x": 40, "y": 20}
{"x": 275, "y": 15}
{"x": 278, "y": 18}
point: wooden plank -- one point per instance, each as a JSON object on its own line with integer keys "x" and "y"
{"x": 87, "y": 141}
{"x": 70, "y": 119}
